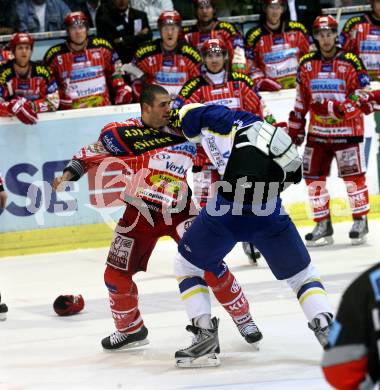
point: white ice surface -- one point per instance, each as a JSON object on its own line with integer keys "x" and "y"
{"x": 39, "y": 350}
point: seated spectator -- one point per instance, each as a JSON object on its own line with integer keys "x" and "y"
{"x": 8, "y": 17}
{"x": 86, "y": 67}
{"x": 41, "y": 15}
{"x": 26, "y": 87}
{"x": 125, "y": 27}
{"x": 153, "y": 8}
{"x": 352, "y": 356}
{"x": 167, "y": 61}
{"x": 88, "y": 7}
{"x": 275, "y": 47}
{"x": 208, "y": 26}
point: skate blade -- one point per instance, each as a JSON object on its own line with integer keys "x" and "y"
{"x": 135, "y": 344}
{"x": 358, "y": 241}
{"x": 255, "y": 346}
{"x": 253, "y": 262}
{"x": 209, "y": 360}
{"x": 323, "y": 241}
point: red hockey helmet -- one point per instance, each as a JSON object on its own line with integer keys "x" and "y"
{"x": 207, "y": 3}
{"x": 214, "y": 45}
{"x": 20, "y": 39}
{"x": 169, "y": 17}
{"x": 325, "y": 23}
{"x": 67, "y": 305}
{"x": 76, "y": 19}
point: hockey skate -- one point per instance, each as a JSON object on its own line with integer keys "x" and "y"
{"x": 204, "y": 349}
{"x": 252, "y": 253}
{"x": 321, "y": 334}
{"x": 3, "y": 310}
{"x": 119, "y": 340}
{"x": 251, "y": 333}
{"x": 359, "y": 230}
{"x": 321, "y": 234}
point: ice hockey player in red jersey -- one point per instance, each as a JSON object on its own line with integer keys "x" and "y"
{"x": 168, "y": 61}
{"x": 275, "y": 47}
{"x": 26, "y": 87}
{"x": 87, "y": 69}
{"x": 334, "y": 75}
{"x": 154, "y": 160}
{"x": 352, "y": 357}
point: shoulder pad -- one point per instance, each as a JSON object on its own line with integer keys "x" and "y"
{"x": 293, "y": 25}
{"x": 226, "y": 26}
{"x": 307, "y": 57}
{"x": 237, "y": 76}
{"x": 190, "y": 52}
{"x": 6, "y": 72}
{"x": 147, "y": 50}
{"x": 54, "y": 51}
{"x": 99, "y": 42}
{"x": 190, "y": 86}
{"x": 352, "y": 22}
{"x": 253, "y": 35}
{"x": 42, "y": 70}
{"x": 353, "y": 59}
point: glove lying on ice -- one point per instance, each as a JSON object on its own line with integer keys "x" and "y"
{"x": 24, "y": 110}
{"x": 67, "y": 305}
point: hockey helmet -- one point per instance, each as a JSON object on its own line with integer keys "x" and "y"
{"x": 325, "y": 23}
{"x": 205, "y": 3}
{"x": 169, "y": 17}
{"x": 20, "y": 39}
{"x": 214, "y": 45}
{"x": 67, "y": 305}
{"x": 76, "y": 19}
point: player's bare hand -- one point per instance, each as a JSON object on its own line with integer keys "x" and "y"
{"x": 58, "y": 184}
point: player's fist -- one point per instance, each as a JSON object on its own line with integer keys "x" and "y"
{"x": 23, "y": 110}
{"x": 296, "y": 127}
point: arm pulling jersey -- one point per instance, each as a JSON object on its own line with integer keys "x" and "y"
{"x": 336, "y": 79}
{"x": 168, "y": 69}
{"x": 361, "y": 35}
{"x": 276, "y": 56}
{"x": 155, "y": 161}
{"x": 84, "y": 77}
{"x": 39, "y": 86}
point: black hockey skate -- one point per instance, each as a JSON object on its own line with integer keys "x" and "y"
{"x": 204, "y": 349}
{"x": 252, "y": 253}
{"x": 3, "y": 310}
{"x": 251, "y": 333}
{"x": 359, "y": 230}
{"x": 119, "y": 340}
{"x": 321, "y": 334}
{"x": 321, "y": 234}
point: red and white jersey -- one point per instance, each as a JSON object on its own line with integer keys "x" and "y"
{"x": 277, "y": 55}
{"x": 225, "y": 31}
{"x": 155, "y": 162}
{"x": 38, "y": 85}
{"x": 336, "y": 79}
{"x": 233, "y": 90}
{"x": 169, "y": 69}
{"x": 361, "y": 35}
{"x": 85, "y": 76}
{"x": 5, "y": 55}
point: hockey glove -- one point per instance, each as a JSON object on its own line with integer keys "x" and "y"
{"x": 296, "y": 127}
{"x": 23, "y": 109}
{"x": 367, "y": 101}
{"x": 123, "y": 95}
{"x": 336, "y": 110}
{"x": 266, "y": 84}
{"x": 67, "y": 305}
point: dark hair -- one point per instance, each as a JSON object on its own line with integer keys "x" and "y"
{"x": 149, "y": 93}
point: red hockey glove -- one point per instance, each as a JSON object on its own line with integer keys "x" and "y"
{"x": 296, "y": 127}
{"x": 23, "y": 110}
{"x": 268, "y": 85}
{"x": 67, "y": 305}
{"x": 123, "y": 95}
{"x": 137, "y": 86}
{"x": 368, "y": 100}
{"x": 336, "y": 110}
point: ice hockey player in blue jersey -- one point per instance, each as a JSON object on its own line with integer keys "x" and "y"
{"x": 257, "y": 161}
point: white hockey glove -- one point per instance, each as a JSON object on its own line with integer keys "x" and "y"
{"x": 133, "y": 70}
{"x": 274, "y": 142}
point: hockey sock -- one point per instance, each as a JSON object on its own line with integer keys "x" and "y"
{"x": 123, "y": 296}
{"x": 319, "y": 199}
{"x": 230, "y": 295}
{"x": 357, "y": 191}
